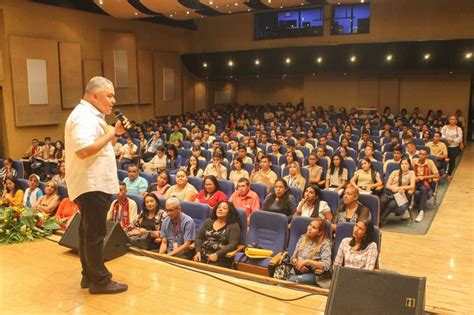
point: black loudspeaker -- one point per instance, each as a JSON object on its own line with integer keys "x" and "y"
{"x": 115, "y": 242}
{"x": 355, "y": 291}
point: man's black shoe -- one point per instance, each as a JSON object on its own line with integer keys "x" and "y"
{"x": 85, "y": 283}
{"x": 110, "y": 288}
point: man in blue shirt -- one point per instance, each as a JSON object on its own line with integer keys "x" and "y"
{"x": 135, "y": 184}
{"x": 177, "y": 231}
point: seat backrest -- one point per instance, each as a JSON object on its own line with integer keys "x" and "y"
{"x": 323, "y": 162}
{"x": 198, "y": 211}
{"x": 18, "y": 166}
{"x": 332, "y": 198}
{"x": 303, "y": 150}
{"x": 23, "y": 183}
{"x": 344, "y": 230}
{"x": 62, "y": 191}
{"x": 243, "y": 225}
{"x": 373, "y": 203}
{"x": 184, "y": 153}
{"x": 269, "y": 230}
{"x": 226, "y": 186}
{"x": 172, "y": 179}
{"x": 299, "y": 226}
{"x": 276, "y": 169}
{"x": 334, "y": 144}
{"x": 350, "y": 165}
{"x": 149, "y": 177}
{"x": 122, "y": 174}
{"x": 138, "y": 200}
{"x": 260, "y": 190}
{"x": 392, "y": 166}
{"x": 197, "y": 182}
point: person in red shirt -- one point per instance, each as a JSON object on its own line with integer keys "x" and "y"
{"x": 211, "y": 193}
{"x": 66, "y": 211}
{"x": 245, "y": 198}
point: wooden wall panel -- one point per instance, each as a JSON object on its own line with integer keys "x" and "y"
{"x": 145, "y": 76}
{"x": 111, "y": 41}
{"x": 173, "y": 61}
{"x": 71, "y": 73}
{"x": 368, "y": 93}
{"x": 90, "y": 69}
{"x": 200, "y": 95}
{"x": 21, "y": 49}
{"x": 389, "y": 94}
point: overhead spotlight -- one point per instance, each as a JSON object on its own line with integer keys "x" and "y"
{"x": 101, "y": 2}
{"x": 248, "y": 10}
{"x": 362, "y": 1}
{"x": 230, "y": 63}
{"x": 217, "y": 7}
{"x": 281, "y": 7}
{"x": 468, "y": 55}
{"x": 171, "y": 15}
{"x": 210, "y": 2}
{"x": 319, "y": 59}
{"x": 353, "y": 58}
{"x": 204, "y": 64}
{"x": 187, "y": 12}
{"x": 345, "y": 73}
{"x": 450, "y": 72}
{"x": 288, "y": 60}
{"x": 136, "y": 13}
{"x": 257, "y": 62}
{"x": 236, "y": 4}
{"x": 314, "y": 74}
{"x": 302, "y": 3}
{"x": 389, "y": 57}
{"x": 230, "y": 12}
{"x": 269, "y": 1}
{"x": 427, "y": 56}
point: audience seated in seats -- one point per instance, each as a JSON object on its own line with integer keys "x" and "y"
{"x": 206, "y": 137}
{"x": 59, "y": 153}
{"x": 151, "y": 146}
{"x": 263, "y": 174}
{"x": 12, "y": 194}
{"x": 351, "y": 210}
{"x": 291, "y": 146}
{"x": 411, "y": 151}
{"x": 193, "y": 169}
{"x": 311, "y": 260}
{"x": 123, "y": 209}
{"x": 216, "y": 168}
{"x": 364, "y": 137}
{"x": 157, "y": 163}
{"x": 161, "y": 186}
{"x": 211, "y": 193}
{"x": 344, "y": 152}
{"x": 360, "y": 250}
{"x": 426, "y": 173}
{"x": 312, "y": 206}
{"x": 369, "y": 153}
{"x": 60, "y": 177}
{"x": 127, "y": 154}
{"x": 401, "y": 181}
{"x": 301, "y": 141}
{"x": 367, "y": 180}
{"x": 323, "y": 142}
{"x": 135, "y": 183}
{"x": 146, "y": 228}
{"x": 175, "y": 135}
{"x": 454, "y": 136}
{"x": 238, "y": 172}
{"x": 49, "y": 202}
{"x": 397, "y": 157}
{"x": 173, "y": 160}
{"x": 315, "y": 171}
{"x": 196, "y": 152}
{"x": 33, "y": 192}
{"x": 31, "y": 155}
{"x": 46, "y": 158}
{"x": 183, "y": 190}
{"x": 66, "y": 211}
{"x": 242, "y": 154}
{"x": 439, "y": 150}
{"x": 6, "y": 171}
{"x": 280, "y": 200}
{"x": 253, "y": 148}
{"x": 294, "y": 177}
{"x": 244, "y": 197}
{"x": 177, "y": 231}
{"x": 276, "y": 149}
{"x": 219, "y": 235}
{"x": 337, "y": 175}
{"x": 321, "y": 153}
{"x": 118, "y": 149}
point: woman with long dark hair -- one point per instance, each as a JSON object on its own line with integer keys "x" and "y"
{"x": 337, "y": 174}
{"x": 12, "y": 195}
{"x": 193, "y": 169}
{"x": 454, "y": 136}
{"x": 312, "y": 252}
{"x": 280, "y": 200}
{"x": 218, "y": 235}
{"x": 312, "y": 206}
{"x": 173, "y": 159}
{"x": 360, "y": 250}
{"x": 367, "y": 180}
{"x": 211, "y": 193}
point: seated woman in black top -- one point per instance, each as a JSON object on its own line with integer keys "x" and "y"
{"x": 148, "y": 225}
{"x": 219, "y": 235}
{"x": 351, "y": 210}
{"x": 280, "y": 200}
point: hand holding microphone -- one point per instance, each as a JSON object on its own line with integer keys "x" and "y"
{"x": 123, "y": 125}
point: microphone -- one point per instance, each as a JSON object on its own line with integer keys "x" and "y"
{"x": 121, "y": 117}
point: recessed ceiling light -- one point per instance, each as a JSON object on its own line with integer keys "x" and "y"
{"x": 171, "y": 15}
{"x": 389, "y": 57}
{"x": 450, "y": 72}
{"x": 210, "y": 2}
{"x": 230, "y": 63}
{"x": 136, "y": 13}
{"x": 187, "y": 12}
{"x": 236, "y": 4}
{"x": 248, "y": 10}
{"x": 101, "y": 2}
{"x": 345, "y": 73}
{"x": 204, "y": 64}
{"x": 269, "y": 1}
{"x": 217, "y": 6}
{"x": 257, "y": 62}
{"x": 314, "y": 74}
{"x": 427, "y": 56}
{"x": 319, "y": 59}
{"x": 468, "y": 55}
{"x": 353, "y": 58}
{"x": 288, "y": 60}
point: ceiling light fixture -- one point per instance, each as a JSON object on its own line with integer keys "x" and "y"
{"x": 389, "y": 57}
{"x": 427, "y": 56}
{"x": 353, "y": 58}
{"x": 468, "y": 55}
{"x": 204, "y": 64}
{"x": 257, "y": 62}
{"x": 230, "y": 63}
{"x": 288, "y": 60}
{"x": 319, "y": 59}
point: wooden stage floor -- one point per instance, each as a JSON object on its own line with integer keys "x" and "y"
{"x": 43, "y": 278}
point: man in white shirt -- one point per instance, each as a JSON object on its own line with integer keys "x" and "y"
{"x": 91, "y": 174}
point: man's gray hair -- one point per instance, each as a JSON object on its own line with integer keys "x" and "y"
{"x": 173, "y": 202}
{"x": 97, "y": 83}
